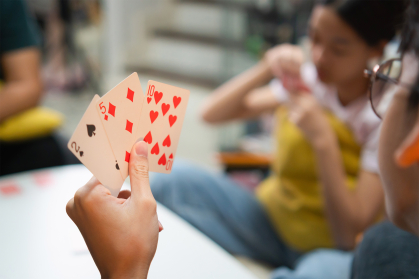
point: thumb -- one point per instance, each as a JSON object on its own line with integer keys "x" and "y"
{"x": 138, "y": 170}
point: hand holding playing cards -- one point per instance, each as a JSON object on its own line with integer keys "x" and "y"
{"x": 121, "y": 233}
{"x": 108, "y": 129}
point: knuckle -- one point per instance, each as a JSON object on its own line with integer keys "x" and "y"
{"x": 78, "y": 196}
{"x": 140, "y": 170}
{"x": 89, "y": 200}
{"x": 69, "y": 208}
{"x": 149, "y": 203}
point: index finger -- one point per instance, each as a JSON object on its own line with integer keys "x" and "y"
{"x": 80, "y": 194}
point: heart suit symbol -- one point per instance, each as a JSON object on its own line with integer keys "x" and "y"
{"x": 162, "y": 160}
{"x": 158, "y": 96}
{"x": 155, "y": 149}
{"x": 165, "y": 108}
{"x": 167, "y": 141}
{"x": 172, "y": 119}
{"x": 153, "y": 115}
{"x": 176, "y": 101}
{"x": 148, "y": 138}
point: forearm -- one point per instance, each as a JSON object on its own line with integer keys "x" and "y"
{"x": 18, "y": 96}
{"x": 341, "y": 207}
{"x": 228, "y": 101}
{"x": 22, "y": 87}
{"x": 142, "y": 273}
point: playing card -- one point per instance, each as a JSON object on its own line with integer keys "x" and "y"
{"x": 161, "y": 123}
{"x": 120, "y": 111}
{"x": 91, "y": 146}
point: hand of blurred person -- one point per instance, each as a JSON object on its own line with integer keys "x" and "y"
{"x": 307, "y": 114}
{"x": 121, "y": 233}
{"x": 285, "y": 62}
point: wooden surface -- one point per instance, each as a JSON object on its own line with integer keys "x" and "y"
{"x": 245, "y": 159}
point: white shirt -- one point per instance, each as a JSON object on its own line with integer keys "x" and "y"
{"x": 358, "y": 115}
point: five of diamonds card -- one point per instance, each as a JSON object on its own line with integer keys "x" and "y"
{"x": 112, "y": 124}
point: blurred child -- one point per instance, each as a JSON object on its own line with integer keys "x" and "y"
{"x": 395, "y": 250}
{"x": 399, "y": 163}
{"x": 324, "y": 188}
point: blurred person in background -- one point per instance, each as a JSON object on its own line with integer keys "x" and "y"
{"x": 26, "y": 140}
{"x": 387, "y": 251}
{"x": 118, "y": 256}
{"x": 62, "y": 69}
{"x": 324, "y": 189}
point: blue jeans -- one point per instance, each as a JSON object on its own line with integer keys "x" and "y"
{"x": 232, "y": 217}
{"x": 227, "y": 213}
{"x": 387, "y": 252}
{"x": 318, "y": 264}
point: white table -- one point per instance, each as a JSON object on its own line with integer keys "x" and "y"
{"x": 38, "y": 240}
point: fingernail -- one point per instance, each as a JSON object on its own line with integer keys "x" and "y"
{"x": 141, "y": 148}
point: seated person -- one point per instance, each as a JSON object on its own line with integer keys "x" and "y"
{"x": 117, "y": 256}
{"x": 388, "y": 251}
{"x": 26, "y": 142}
{"x": 324, "y": 189}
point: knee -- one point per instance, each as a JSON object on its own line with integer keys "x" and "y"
{"x": 161, "y": 184}
{"x": 374, "y": 238}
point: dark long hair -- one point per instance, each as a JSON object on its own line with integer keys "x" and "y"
{"x": 410, "y": 42}
{"x": 373, "y": 20}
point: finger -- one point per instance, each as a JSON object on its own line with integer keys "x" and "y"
{"x": 124, "y": 194}
{"x": 80, "y": 194}
{"x": 70, "y": 208}
{"x": 82, "y": 191}
{"x": 89, "y": 193}
{"x": 160, "y": 227}
{"x": 138, "y": 171}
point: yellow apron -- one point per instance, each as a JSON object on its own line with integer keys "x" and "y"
{"x": 292, "y": 194}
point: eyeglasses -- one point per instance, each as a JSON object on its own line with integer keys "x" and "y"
{"x": 384, "y": 81}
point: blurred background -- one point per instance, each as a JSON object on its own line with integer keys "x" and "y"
{"x": 89, "y": 46}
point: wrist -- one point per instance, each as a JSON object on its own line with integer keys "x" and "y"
{"x": 324, "y": 141}
{"x": 265, "y": 69}
{"x": 136, "y": 274}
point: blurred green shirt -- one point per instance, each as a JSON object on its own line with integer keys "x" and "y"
{"x": 17, "y": 27}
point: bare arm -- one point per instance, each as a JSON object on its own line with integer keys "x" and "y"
{"x": 349, "y": 212}
{"x": 23, "y": 86}
{"x": 240, "y": 97}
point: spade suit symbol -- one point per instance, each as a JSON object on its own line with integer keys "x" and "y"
{"x": 81, "y": 153}
{"x": 91, "y": 130}
{"x": 117, "y": 166}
